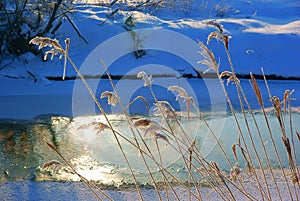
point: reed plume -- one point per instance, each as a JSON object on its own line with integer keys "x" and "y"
{"x": 208, "y": 59}
{"x": 44, "y": 42}
{"x": 56, "y": 49}
{"x": 256, "y": 89}
{"x": 143, "y": 99}
{"x": 235, "y": 172}
{"x": 181, "y": 93}
{"x": 142, "y": 123}
{"x": 147, "y": 79}
{"x": 99, "y": 126}
{"x": 220, "y": 35}
{"x": 111, "y": 97}
{"x": 231, "y": 77}
{"x": 52, "y": 166}
{"x": 217, "y": 25}
{"x": 151, "y": 129}
{"x": 163, "y": 108}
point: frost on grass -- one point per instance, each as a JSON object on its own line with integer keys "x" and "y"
{"x": 164, "y": 109}
{"x": 98, "y": 126}
{"x": 235, "y": 172}
{"x": 181, "y": 93}
{"x": 147, "y": 78}
{"x": 230, "y": 77}
{"x": 52, "y": 166}
{"x": 217, "y": 25}
{"x": 111, "y": 97}
{"x": 56, "y": 49}
{"x": 218, "y": 35}
{"x": 142, "y": 123}
{"x": 151, "y": 129}
{"x": 209, "y": 59}
{"x": 43, "y": 42}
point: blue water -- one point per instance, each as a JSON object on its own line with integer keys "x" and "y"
{"x": 97, "y": 156}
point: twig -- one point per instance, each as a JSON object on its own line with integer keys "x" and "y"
{"x": 76, "y": 29}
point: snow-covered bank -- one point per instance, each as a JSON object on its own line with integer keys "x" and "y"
{"x": 264, "y": 34}
{"x": 263, "y": 40}
{"x": 268, "y": 39}
{"x": 61, "y": 191}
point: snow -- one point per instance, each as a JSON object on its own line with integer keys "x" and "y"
{"x": 264, "y": 34}
{"x": 290, "y": 28}
{"x": 61, "y": 191}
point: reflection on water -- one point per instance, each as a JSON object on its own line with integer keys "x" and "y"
{"x": 24, "y": 151}
{"x": 18, "y": 155}
{"x": 97, "y": 156}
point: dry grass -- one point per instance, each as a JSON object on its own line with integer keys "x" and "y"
{"x": 175, "y": 136}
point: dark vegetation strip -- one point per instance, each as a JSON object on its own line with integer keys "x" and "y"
{"x": 199, "y": 76}
{"x": 114, "y": 77}
{"x": 247, "y": 76}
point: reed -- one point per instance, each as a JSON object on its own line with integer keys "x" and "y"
{"x": 174, "y": 135}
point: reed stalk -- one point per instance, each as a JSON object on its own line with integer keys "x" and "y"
{"x": 181, "y": 142}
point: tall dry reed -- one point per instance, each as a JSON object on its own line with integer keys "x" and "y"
{"x": 171, "y": 131}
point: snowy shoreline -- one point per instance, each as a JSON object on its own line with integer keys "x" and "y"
{"x": 60, "y": 191}
{"x": 265, "y": 34}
